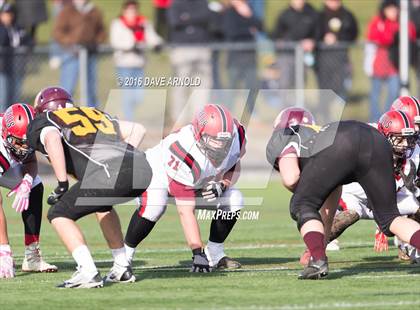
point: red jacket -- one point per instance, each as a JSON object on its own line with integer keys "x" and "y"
{"x": 382, "y": 33}
{"x": 162, "y": 4}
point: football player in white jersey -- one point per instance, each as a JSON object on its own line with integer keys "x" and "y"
{"x": 354, "y": 202}
{"x": 18, "y": 171}
{"x": 198, "y": 166}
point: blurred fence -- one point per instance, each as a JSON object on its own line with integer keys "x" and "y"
{"x": 280, "y": 66}
{"x": 286, "y": 75}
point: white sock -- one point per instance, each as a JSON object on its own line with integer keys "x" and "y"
{"x": 119, "y": 257}
{"x": 84, "y": 259}
{"x": 129, "y": 253}
{"x": 216, "y": 251}
{"x": 5, "y": 247}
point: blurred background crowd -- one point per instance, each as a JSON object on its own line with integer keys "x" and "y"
{"x": 349, "y": 47}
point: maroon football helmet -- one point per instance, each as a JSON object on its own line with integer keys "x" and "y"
{"x": 51, "y": 99}
{"x": 293, "y": 116}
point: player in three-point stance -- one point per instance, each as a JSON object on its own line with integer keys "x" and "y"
{"x": 343, "y": 152}
{"x": 100, "y": 152}
{"x": 198, "y": 165}
{"x": 18, "y": 171}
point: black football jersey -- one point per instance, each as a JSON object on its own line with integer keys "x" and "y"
{"x": 88, "y": 135}
{"x": 300, "y": 138}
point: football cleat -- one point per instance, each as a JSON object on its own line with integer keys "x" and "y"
{"x": 33, "y": 261}
{"x": 228, "y": 263}
{"x": 404, "y": 249}
{"x": 315, "y": 270}
{"x": 7, "y": 265}
{"x": 415, "y": 256}
{"x": 120, "y": 274}
{"x": 402, "y": 255}
{"x": 82, "y": 280}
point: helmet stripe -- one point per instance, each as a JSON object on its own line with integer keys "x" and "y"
{"x": 28, "y": 112}
{"x": 405, "y": 118}
{"x": 224, "y": 121}
{"x": 417, "y": 104}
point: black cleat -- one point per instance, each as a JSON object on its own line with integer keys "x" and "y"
{"x": 315, "y": 270}
{"x": 120, "y": 274}
{"x": 228, "y": 263}
{"x": 415, "y": 256}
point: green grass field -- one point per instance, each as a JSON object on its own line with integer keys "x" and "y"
{"x": 268, "y": 248}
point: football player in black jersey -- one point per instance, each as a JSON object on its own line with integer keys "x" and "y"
{"x": 340, "y": 153}
{"x": 297, "y": 146}
{"x": 100, "y": 152}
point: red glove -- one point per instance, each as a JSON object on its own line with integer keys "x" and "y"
{"x": 381, "y": 241}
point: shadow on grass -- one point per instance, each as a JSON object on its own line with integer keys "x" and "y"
{"x": 172, "y": 273}
{"x": 373, "y": 264}
{"x": 70, "y": 266}
{"x": 245, "y": 261}
{"x": 266, "y": 260}
{"x": 380, "y": 258}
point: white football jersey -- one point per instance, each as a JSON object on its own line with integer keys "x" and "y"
{"x": 6, "y": 160}
{"x": 179, "y": 156}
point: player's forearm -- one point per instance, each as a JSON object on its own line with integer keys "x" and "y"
{"x": 55, "y": 150}
{"x": 189, "y": 224}
{"x": 231, "y": 177}
{"x": 132, "y": 133}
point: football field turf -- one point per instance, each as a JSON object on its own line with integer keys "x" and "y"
{"x": 268, "y": 248}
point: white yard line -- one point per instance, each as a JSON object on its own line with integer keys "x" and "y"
{"x": 228, "y": 247}
{"x": 338, "y": 305}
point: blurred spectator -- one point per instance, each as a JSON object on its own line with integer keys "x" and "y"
{"x": 56, "y": 51}
{"x": 415, "y": 18}
{"x": 336, "y": 27}
{"x": 240, "y": 25}
{"x": 381, "y": 35}
{"x": 30, "y": 13}
{"x": 217, "y": 10}
{"x": 188, "y": 25}
{"x": 79, "y": 23}
{"x": 258, "y": 8}
{"x": 296, "y": 23}
{"x": 6, "y": 59}
{"x": 130, "y": 33}
{"x": 12, "y": 66}
{"x": 161, "y": 24}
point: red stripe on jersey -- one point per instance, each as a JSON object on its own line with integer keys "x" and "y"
{"x": 241, "y": 132}
{"x": 4, "y": 163}
{"x": 342, "y": 204}
{"x": 187, "y": 158}
{"x": 143, "y": 203}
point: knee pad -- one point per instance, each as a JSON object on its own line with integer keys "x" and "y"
{"x": 235, "y": 199}
{"x": 302, "y": 214}
{"x": 153, "y": 214}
